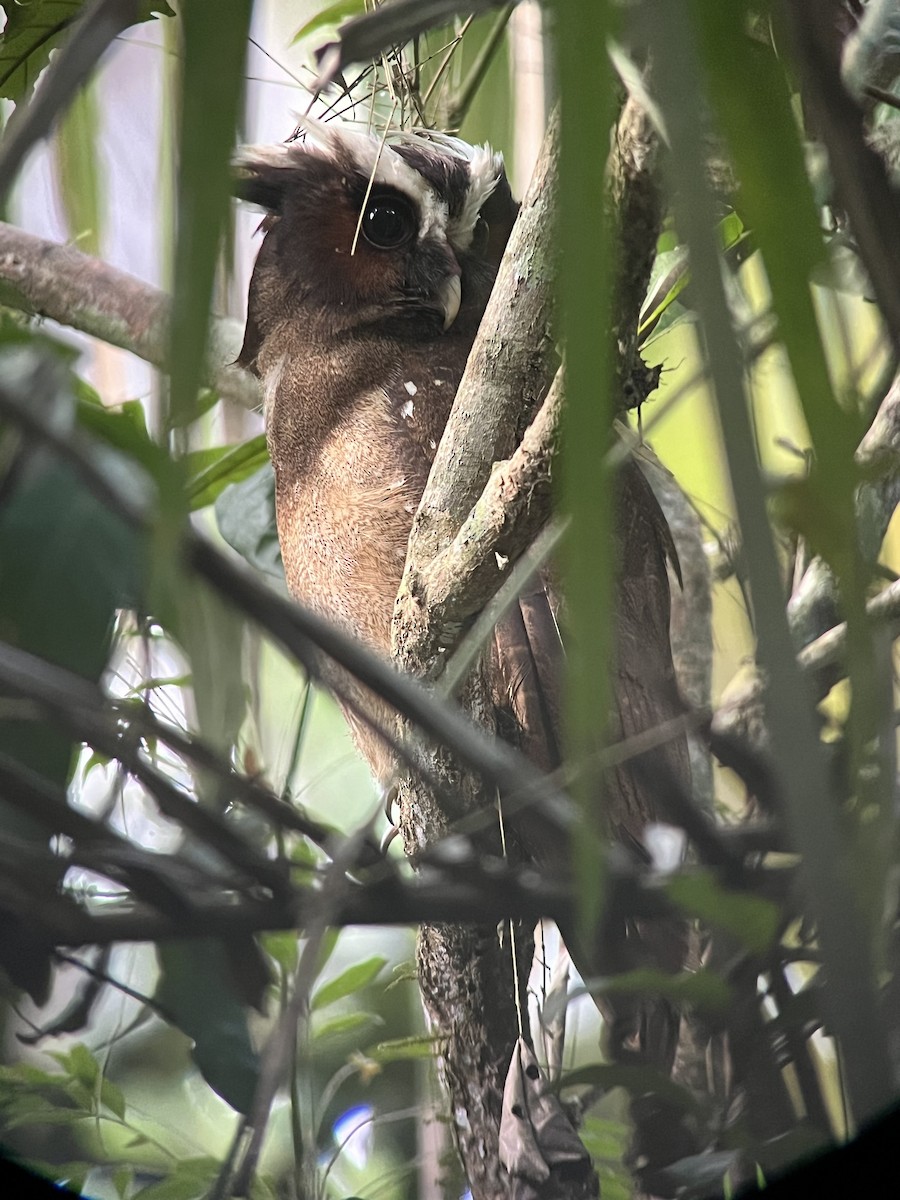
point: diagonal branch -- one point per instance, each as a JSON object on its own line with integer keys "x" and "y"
{"x": 51, "y": 280}
{"x": 510, "y": 512}
{"x": 508, "y": 371}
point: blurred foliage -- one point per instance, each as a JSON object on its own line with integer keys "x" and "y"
{"x": 804, "y": 941}
{"x": 33, "y": 31}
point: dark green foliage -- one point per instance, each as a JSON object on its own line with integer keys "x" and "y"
{"x": 94, "y": 514}
{"x": 33, "y": 31}
{"x": 198, "y": 991}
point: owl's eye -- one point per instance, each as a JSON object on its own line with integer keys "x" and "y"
{"x": 388, "y": 222}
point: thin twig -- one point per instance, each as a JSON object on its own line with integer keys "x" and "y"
{"x": 277, "y": 1056}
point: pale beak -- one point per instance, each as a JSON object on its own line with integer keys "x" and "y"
{"x": 449, "y": 298}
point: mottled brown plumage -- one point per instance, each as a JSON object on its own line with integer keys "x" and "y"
{"x": 360, "y": 354}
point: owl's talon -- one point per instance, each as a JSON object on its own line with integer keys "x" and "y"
{"x": 390, "y": 798}
{"x": 388, "y": 837}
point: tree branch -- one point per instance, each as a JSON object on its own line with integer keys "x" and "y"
{"x": 56, "y": 281}
{"x": 508, "y": 371}
{"x": 510, "y": 512}
{"x": 468, "y": 982}
{"x": 636, "y": 196}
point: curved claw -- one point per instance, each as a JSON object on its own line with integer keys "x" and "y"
{"x": 388, "y": 837}
{"x": 388, "y": 800}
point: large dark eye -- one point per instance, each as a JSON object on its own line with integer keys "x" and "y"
{"x": 388, "y": 221}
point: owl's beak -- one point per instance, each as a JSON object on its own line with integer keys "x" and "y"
{"x": 449, "y": 298}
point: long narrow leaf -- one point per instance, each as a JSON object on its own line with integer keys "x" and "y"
{"x": 212, "y": 83}
{"x": 586, "y": 92}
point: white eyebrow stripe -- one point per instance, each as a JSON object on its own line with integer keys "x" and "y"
{"x": 384, "y": 166}
{"x": 377, "y": 160}
{"x": 485, "y": 169}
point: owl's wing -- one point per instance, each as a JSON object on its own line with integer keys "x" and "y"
{"x": 644, "y": 684}
{"x": 528, "y": 667}
{"x": 528, "y": 655}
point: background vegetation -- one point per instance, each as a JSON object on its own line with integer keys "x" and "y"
{"x": 179, "y": 798}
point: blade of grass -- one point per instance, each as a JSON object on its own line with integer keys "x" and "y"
{"x": 215, "y": 44}
{"x": 78, "y": 170}
{"x": 214, "y": 49}
{"x": 752, "y": 102}
{"x": 586, "y": 281}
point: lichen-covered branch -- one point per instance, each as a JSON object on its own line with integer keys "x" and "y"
{"x": 51, "y": 280}
{"x": 468, "y": 983}
{"x": 487, "y": 497}
{"x": 508, "y": 515}
{"x": 637, "y": 199}
{"x": 508, "y": 371}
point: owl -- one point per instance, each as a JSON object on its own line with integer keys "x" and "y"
{"x": 367, "y": 292}
{"x": 374, "y": 273}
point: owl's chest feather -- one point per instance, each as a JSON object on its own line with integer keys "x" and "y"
{"x": 347, "y": 492}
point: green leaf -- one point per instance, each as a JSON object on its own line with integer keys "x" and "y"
{"x": 404, "y": 1049}
{"x": 213, "y": 65}
{"x": 26, "y": 1075}
{"x": 189, "y": 1181}
{"x": 80, "y": 1064}
{"x": 354, "y": 979}
{"x": 330, "y": 16}
{"x": 702, "y": 989}
{"x": 698, "y": 1174}
{"x": 71, "y": 1175}
{"x": 615, "y": 1185}
{"x": 284, "y": 948}
{"x": 264, "y": 1189}
{"x": 211, "y": 633}
{"x": 587, "y": 253}
{"x": 123, "y": 427}
{"x": 95, "y": 759}
{"x": 604, "y": 1138}
{"x": 207, "y": 399}
{"x": 245, "y": 514}
{"x": 67, "y": 563}
{"x": 668, "y": 280}
{"x": 196, "y": 991}
{"x": 637, "y": 1081}
{"x": 340, "y": 1027}
{"x": 45, "y": 1115}
{"x": 752, "y": 920}
{"x": 78, "y": 170}
{"x": 112, "y": 1096}
{"x": 121, "y": 1180}
{"x": 327, "y": 947}
{"x": 753, "y": 104}
{"x": 671, "y": 276}
{"x": 404, "y": 972}
{"x": 82, "y": 1096}
{"x": 210, "y": 471}
{"x": 33, "y": 31}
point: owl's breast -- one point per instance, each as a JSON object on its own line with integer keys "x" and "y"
{"x": 344, "y": 518}
{"x": 353, "y": 430}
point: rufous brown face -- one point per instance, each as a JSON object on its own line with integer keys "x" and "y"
{"x": 363, "y": 234}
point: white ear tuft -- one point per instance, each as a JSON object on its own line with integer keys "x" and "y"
{"x": 485, "y": 171}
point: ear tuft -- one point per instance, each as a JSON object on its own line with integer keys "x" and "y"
{"x": 262, "y": 173}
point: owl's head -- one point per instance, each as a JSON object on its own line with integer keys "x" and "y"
{"x": 399, "y": 237}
